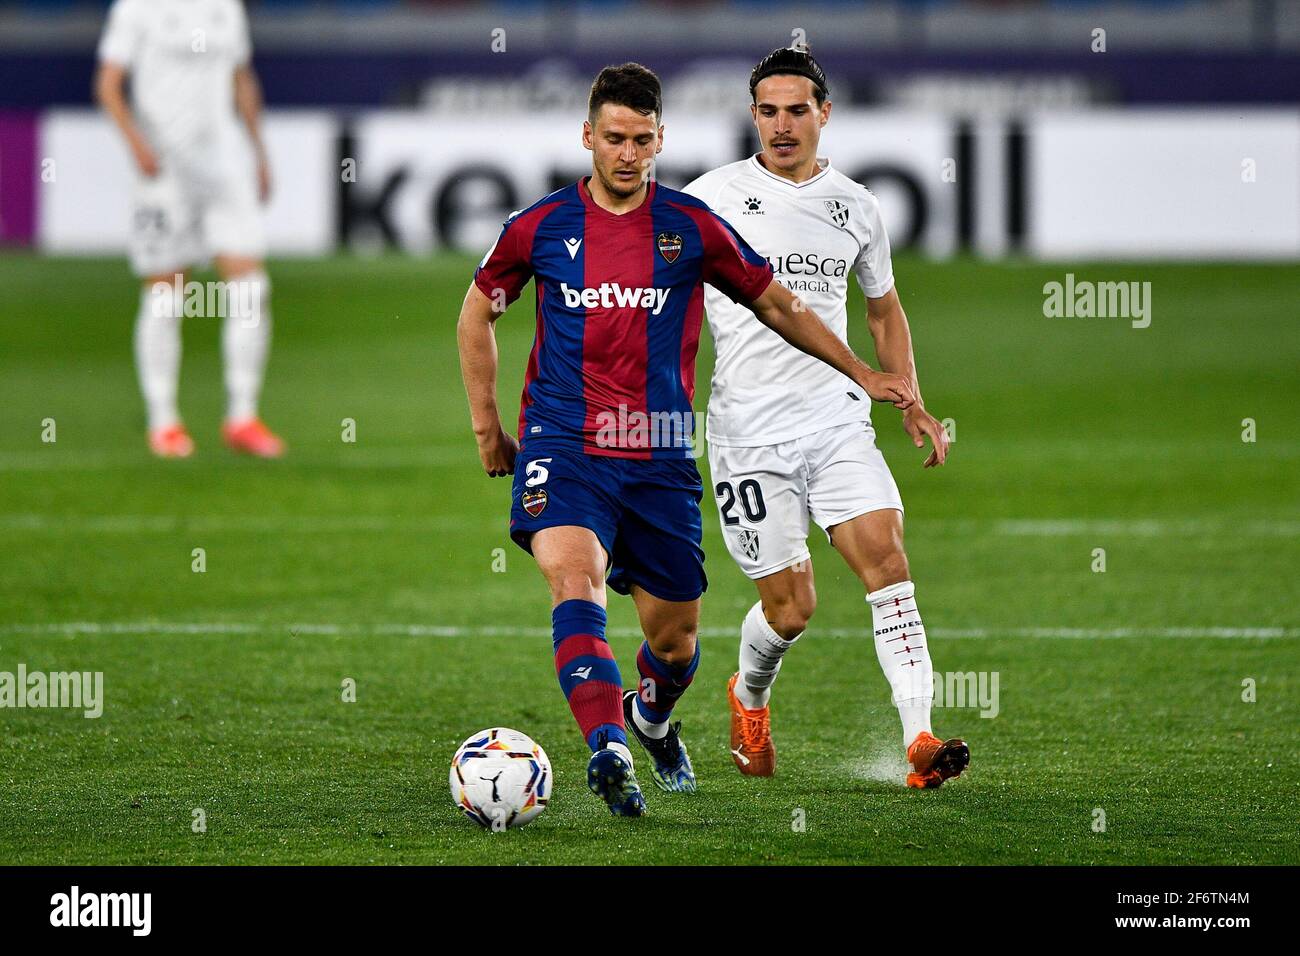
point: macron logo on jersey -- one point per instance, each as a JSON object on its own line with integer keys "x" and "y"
{"x": 611, "y": 295}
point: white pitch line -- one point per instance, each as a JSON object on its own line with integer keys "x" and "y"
{"x": 1146, "y": 527}
{"x": 61, "y": 457}
{"x": 36, "y": 523}
{"x": 218, "y": 524}
{"x": 299, "y": 629}
{"x": 55, "y": 459}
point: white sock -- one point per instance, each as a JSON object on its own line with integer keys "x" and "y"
{"x": 915, "y": 715}
{"x": 622, "y": 751}
{"x": 158, "y": 353}
{"x": 656, "y": 731}
{"x": 904, "y": 655}
{"x": 761, "y": 650}
{"x": 245, "y": 343}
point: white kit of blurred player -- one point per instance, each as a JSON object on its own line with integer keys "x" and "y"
{"x": 790, "y": 438}
{"x": 193, "y": 128}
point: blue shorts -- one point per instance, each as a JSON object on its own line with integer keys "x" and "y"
{"x": 646, "y": 513}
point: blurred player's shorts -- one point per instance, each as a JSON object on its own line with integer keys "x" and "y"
{"x": 181, "y": 219}
{"x": 646, "y": 513}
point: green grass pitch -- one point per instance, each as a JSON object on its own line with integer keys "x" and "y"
{"x": 1119, "y": 691}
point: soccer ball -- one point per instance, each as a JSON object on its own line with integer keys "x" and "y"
{"x": 500, "y": 778}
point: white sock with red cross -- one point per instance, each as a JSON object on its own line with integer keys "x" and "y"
{"x": 904, "y": 655}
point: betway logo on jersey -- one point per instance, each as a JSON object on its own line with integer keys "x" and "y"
{"x": 611, "y": 295}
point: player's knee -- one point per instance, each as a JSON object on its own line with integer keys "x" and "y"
{"x": 889, "y": 568}
{"x": 576, "y": 585}
{"x": 675, "y": 643}
{"x": 161, "y": 298}
{"x": 791, "y": 622}
{"x": 790, "y": 617}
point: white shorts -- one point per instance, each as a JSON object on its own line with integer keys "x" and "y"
{"x": 179, "y": 221}
{"x": 766, "y": 494}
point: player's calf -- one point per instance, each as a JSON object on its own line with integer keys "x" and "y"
{"x": 588, "y": 673}
{"x": 591, "y": 683}
{"x": 647, "y": 712}
{"x": 903, "y": 651}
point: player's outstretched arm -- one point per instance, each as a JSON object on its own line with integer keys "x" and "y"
{"x": 790, "y": 318}
{"x": 477, "y": 341}
{"x": 110, "y": 93}
{"x": 893, "y": 337}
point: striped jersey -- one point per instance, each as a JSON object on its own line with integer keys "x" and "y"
{"x": 620, "y": 301}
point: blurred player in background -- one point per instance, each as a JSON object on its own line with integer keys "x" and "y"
{"x": 790, "y": 437}
{"x": 196, "y": 198}
{"x": 607, "y": 483}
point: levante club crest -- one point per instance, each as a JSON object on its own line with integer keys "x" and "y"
{"x": 534, "y": 502}
{"x": 670, "y": 246}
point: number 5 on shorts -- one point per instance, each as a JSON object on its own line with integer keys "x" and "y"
{"x": 537, "y": 472}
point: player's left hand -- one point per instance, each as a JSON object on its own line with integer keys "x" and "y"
{"x": 497, "y": 451}
{"x": 918, "y": 423}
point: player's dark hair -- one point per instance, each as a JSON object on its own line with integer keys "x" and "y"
{"x": 796, "y": 61}
{"x": 631, "y": 85}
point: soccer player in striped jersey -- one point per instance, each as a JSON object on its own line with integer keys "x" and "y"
{"x": 605, "y": 484}
{"x": 790, "y": 437}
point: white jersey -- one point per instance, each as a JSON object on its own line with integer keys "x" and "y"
{"x": 815, "y": 234}
{"x": 182, "y": 56}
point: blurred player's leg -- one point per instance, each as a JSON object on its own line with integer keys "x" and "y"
{"x": 232, "y": 226}
{"x": 245, "y": 345}
{"x": 158, "y": 364}
{"x": 573, "y": 560}
{"x": 163, "y": 241}
{"x": 872, "y": 544}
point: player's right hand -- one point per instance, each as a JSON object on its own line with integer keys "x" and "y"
{"x": 145, "y": 159}
{"x": 887, "y": 387}
{"x": 497, "y": 451}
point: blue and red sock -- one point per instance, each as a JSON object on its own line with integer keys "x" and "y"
{"x": 662, "y": 684}
{"x": 587, "y": 671}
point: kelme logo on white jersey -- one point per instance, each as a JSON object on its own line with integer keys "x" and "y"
{"x": 611, "y": 295}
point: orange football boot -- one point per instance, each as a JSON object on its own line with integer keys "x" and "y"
{"x": 172, "y": 441}
{"x": 934, "y": 760}
{"x": 252, "y": 437}
{"x": 751, "y": 736}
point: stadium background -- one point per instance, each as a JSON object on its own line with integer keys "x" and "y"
{"x": 1172, "y": 158}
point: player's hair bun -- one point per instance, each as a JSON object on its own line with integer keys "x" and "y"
{"x": 797, "y": 60}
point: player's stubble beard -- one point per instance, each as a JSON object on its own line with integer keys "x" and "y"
{"x": 625, "y": 190}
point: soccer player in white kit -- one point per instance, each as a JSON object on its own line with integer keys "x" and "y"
{"x": 789, "y": 437}
{"x": 200, "y": 177}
